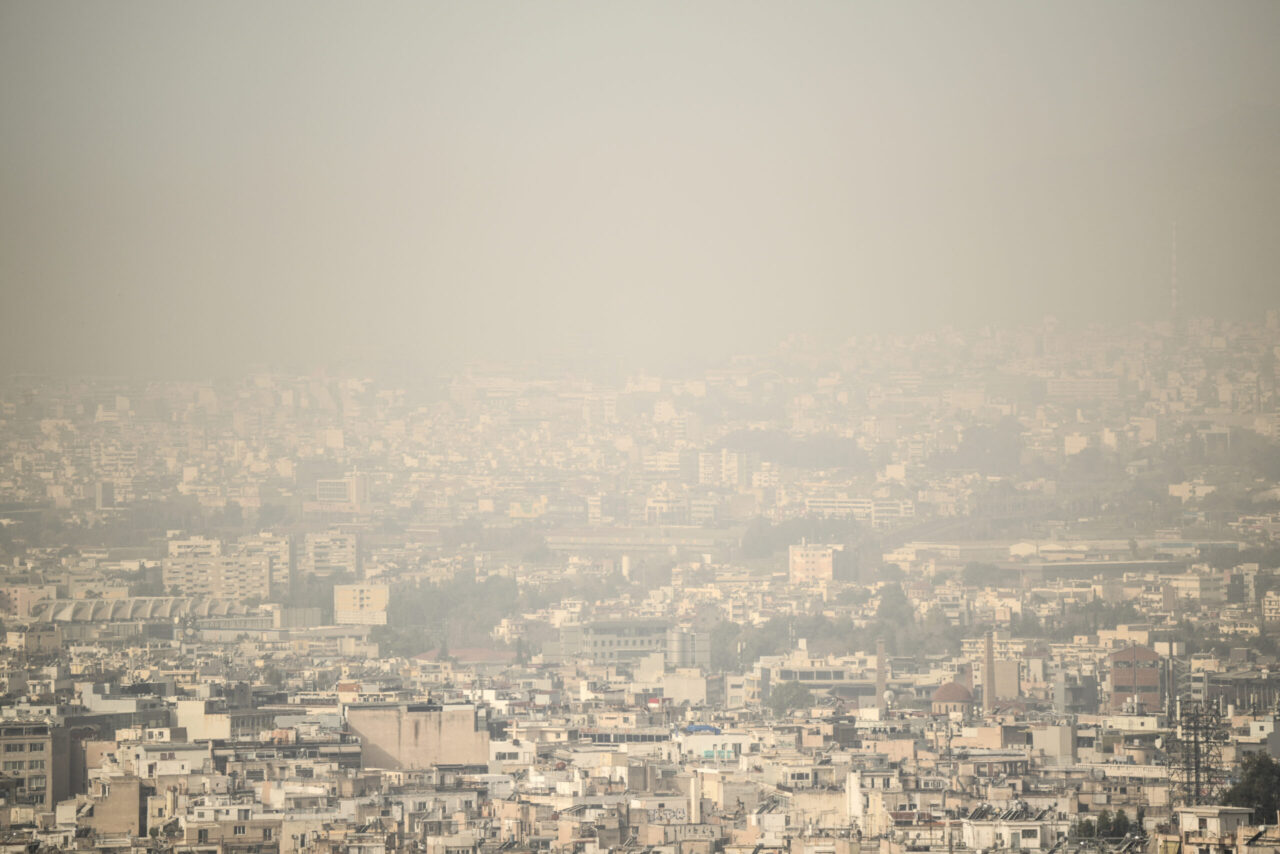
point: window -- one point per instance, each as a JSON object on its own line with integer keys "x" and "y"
{"x": 36, "y": 747}
{"x": 36, "y": 764}
{"x": 36, "y": 782}
{"x": 238, "y": 830}
{"x": 14, "y": 747}
{"x": 267, "y": 833}
{"x": 202, "y": 836}
{"x": 13, "y": 766}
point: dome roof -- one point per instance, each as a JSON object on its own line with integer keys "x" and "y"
{"x": 952, "y": 692}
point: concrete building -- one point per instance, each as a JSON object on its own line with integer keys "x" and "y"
{"x": 27, "y": 754}
{"x": 237, "y": 577}
{"x": 419, "y": 735}
{"x": 361, "y": 604}
{"x": 217, "y": 719}
{"x": 330, "y": 553}
{"x": 812, "y": 563}
{"x": 612, "y": 641}
{"x": 1137, "y": 680}
{"x": 278, "y": 548}
{"x": 344, "y": 495}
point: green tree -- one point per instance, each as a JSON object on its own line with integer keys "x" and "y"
{"x": 1120, "y": 824}
{"x": 894, "y": 606}
{"x": 982, "y": 574}
{"x": 1104, "y": 824}
{"x": 788, "y": 696}
{"x": 1258, "y": 789}
{"x": 724, "y": 646}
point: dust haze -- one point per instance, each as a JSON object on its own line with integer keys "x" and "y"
{"x": 201, "y": 187}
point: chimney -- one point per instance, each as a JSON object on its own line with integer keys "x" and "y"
{"x": 989, "y": 677}
{"x": 881, "y": 680}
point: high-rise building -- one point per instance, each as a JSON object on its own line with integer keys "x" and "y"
{"x": 232, "y": 577}
{"x": 329, "y": 553}
{"x": 278, "y": 548}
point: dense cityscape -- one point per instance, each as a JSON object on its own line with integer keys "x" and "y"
{"x": 996, "y": 589}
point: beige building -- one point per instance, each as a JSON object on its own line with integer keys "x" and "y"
{"x": 330, "y": 553}
{"x": 419, "y": 735}
{"x": 240, "y": 577}
{"x": 1271, "y": 606}
{"x": 209, "y": 719}
{"x": 27, "y": 751}
{"x": 278, "y": 548}
{"x": 812, "y": 564}
{"x": 361, "y": 604}
{"x": 35, "y": 639}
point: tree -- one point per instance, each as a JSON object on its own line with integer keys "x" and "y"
{"x": 892, "y": 572}
{"x": 894, "y": 606}
{"x": 977, "y": 574}
{"x": 1258, "y": 789}
{"x": 788, "y": 696}
{"x": 1104, "y": 824}
{"x": 1120, "y": 824}
{"x": 233, "y": 515}
{"x": 724, "y": 646}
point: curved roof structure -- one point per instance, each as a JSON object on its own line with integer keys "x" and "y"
{"x": 133, "y": 608}
{"x": 952, "y": 692}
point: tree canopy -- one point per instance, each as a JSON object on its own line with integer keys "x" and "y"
{"x": 788, "y": 696}
{"x": 1258, "y": 788}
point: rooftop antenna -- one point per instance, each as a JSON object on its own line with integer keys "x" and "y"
{"x": 1173, "y": 275}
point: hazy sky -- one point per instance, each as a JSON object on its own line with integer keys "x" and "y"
{"x": 199, "y": 186}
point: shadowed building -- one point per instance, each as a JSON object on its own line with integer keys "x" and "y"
{"x": 1136, "y": 681}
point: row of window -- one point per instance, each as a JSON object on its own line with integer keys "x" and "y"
{"x": 812, "y": 675}
{"x": 202, "y": 835}
{"x": 23, "y": 747}
{"x": 18, "y": 764}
